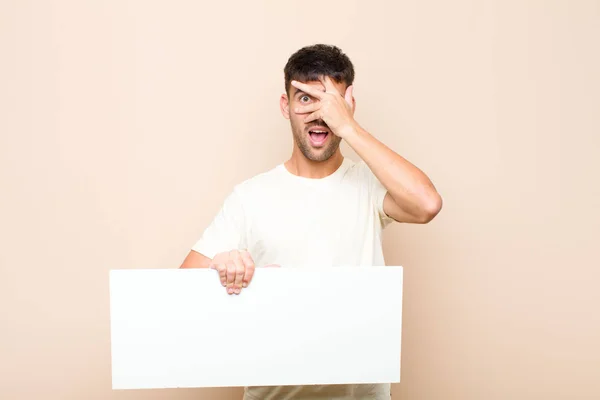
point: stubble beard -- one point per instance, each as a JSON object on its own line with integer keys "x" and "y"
{"x": 322, "y": 154}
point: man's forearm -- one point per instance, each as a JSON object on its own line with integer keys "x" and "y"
{"x": 196, "y": 260}
{"x": 408, "y": 186}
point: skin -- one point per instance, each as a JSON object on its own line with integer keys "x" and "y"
{"x": 307, "y": 160}
{"x": 411, "y": 197}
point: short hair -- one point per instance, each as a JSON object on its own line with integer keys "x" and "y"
{"x": 311, "y": 62}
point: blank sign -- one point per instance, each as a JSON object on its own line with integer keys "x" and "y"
{"x": 179, "y": 328}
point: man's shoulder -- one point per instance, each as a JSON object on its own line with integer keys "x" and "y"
{"x": 357, "y": 171}
{"x": 259, "y": 182}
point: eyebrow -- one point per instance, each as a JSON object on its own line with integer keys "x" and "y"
{"x": 298, "y": 91}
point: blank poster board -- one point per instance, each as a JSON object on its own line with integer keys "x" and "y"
{"x": 292, "y": 326}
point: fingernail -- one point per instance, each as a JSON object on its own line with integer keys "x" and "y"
{"x": 237, "y": 291}
{"x": 244, "y": 284}
{"x": 229, "y": 290}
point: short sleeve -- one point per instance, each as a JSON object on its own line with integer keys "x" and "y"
{"x": 377, "y": 191}
{"x": 227, "y": 229}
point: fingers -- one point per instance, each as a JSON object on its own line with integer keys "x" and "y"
{"x": 319, "y": 94}
{"x": 236, "y": 269}
{"x": 239, "y": 271}
{"x": 328, "y": 83}
{"x": 249, "y": 271}
{"x": 230, "y": 276}
{"x": 313, "y": 117}
{"x": 239, "y": 276}
{"x": 222, "y": 270}
{"x": 308, "y": 109}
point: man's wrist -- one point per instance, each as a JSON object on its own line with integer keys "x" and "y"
{"x": 349, "y": 131}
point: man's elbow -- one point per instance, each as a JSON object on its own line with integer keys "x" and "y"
{"x": 431, "y": 208}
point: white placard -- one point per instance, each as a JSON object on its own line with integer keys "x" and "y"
{"x": 179, "y": 328}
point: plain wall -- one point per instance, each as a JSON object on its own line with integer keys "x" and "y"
{"x": 123, "y": 125}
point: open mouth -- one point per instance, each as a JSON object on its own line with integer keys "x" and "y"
{"x": 318, "y": 136}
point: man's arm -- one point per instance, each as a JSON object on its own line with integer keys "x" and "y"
{"x": 196, "y": 260}
{"x": 411, "y": 196}
{"x": 218, "y": 247}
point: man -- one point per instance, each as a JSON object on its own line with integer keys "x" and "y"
{"x": 317, "y": 208}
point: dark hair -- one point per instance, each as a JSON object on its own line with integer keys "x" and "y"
{"x": 311, "y": 62}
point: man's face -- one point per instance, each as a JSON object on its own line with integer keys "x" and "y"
{"x": 315, "y": 140}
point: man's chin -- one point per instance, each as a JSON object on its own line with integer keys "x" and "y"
{"x": 319, "y": 155}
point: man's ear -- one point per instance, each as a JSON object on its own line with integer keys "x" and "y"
{"x": 349, "y": 97}
{"x": 284, "y": 105}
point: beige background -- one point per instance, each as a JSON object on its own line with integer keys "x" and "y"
{"x": 124, "y": 124}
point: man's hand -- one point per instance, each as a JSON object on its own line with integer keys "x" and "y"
{"x": 235, "y": 268}
{"x": 335, "y": 109}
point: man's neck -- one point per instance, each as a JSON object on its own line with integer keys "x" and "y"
{"x": 299, "y": 165}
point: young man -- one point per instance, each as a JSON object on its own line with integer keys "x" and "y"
{"x": 317, "y": 208}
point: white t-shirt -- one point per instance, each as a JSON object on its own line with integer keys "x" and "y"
{"x": 285, "y": 219}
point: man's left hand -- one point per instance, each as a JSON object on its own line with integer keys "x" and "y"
{"x": 335, "y": 109}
